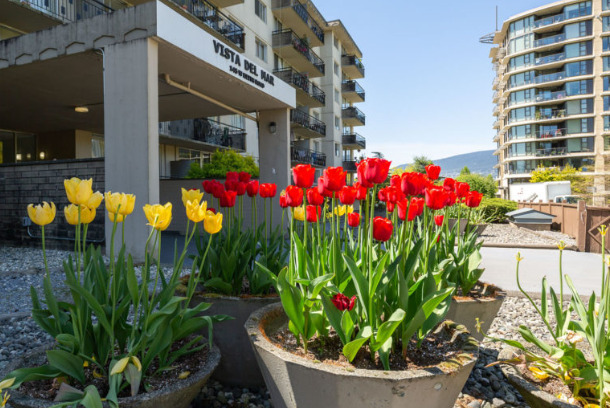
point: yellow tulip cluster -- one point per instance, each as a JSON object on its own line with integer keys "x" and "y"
{"x": 197, "y": 211}
{"x": 84, "y": 201}
{"x": 119, "y": 205}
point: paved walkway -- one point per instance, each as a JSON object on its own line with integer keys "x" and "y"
{"x": 583, "y": 268}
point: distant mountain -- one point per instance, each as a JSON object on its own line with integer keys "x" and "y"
{"x": 478, "y": 162}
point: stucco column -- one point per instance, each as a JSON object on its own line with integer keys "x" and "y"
{"x": 274, "y": 150}
{"x": 131, "y": 132}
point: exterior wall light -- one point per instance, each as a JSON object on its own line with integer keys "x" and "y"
{"x": 272, "y": 128}
{"x": 81, "y": 109}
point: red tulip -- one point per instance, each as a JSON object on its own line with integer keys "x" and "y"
{"x": 314, "y": 197}
{"x": 303, "y": 175}
{"x": 413, "y": 184}
{"x": 232, "y": 175}
{"x": 382, "y": 229}
{"x": 227, "y": 199}
{"x": 231, "y": 185}
{"x": 361, "y": 171}
{"x": 390, "y": 206}
{"x": 435, "y": 198}
{"x": 433, "y": 171}
{"x": 294, "y": 196}
{"x": 438, "y": 220}
{"x": 323, "y": 190}
{"x": 451, "y": 198}
{"x": 312, "y": 212}
{"x": 252, "y": 188}
{"x": 473, "y": 199}
{"x": 267, "y": 190}
{"x": 208, "y": 186}
{"x": 361, "y": 191}
{"x": 218, "y": 190}
{"x": 240, "y": 188}
{"x": 416, "y": 208}
{"x": 449, "y": 184}
{"x": 390, "y": 194}
{"x": 342, "y": 302}
{"x": 353, "y": 219}
{"x": 244, "y": 176}
{"x": 347, "y": 195}
{"x": 373, "y": 170}
{"x": 402, "y": 209}
{"x": 283, "y": 201}
{"x": 334, "y": 178}
{"x": 461, "y": 189}
{"x": 395, "y": 181}
{"x": 213, "y": 210}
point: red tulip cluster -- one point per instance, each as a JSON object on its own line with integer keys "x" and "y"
{"x": 342, "y": 302}
{"x": 237, "y": 184}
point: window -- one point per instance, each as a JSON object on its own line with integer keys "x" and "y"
{"x": 336, "y": 69}
{"x": 337, "y": 96}
{"x": 606, "y": 63}
{"x": 606, "y": 123}
{"x": 337, "y": 149}
{"x": 336, "y": 42}
{"x": 607, "y": 83}
{"x": 606, "y": 103}
{"x": 337, "y": 123}
{"x": 260, "y": 10}
{"x": 605, "y": 4}
{"x": 261, "y": 49}
{"x": 606, "y": 44}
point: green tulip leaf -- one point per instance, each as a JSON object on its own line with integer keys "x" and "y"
{"x": 350, "y": 350}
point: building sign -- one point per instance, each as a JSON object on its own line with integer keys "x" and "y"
{"x": 245, "y": 69}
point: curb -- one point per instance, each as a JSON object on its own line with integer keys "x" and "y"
{"x": 528, "y": 246}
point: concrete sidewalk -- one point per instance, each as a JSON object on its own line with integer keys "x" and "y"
{"x": 500, "y": 264}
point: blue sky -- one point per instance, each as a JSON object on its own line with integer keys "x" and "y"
{"x": 428, "y": 79}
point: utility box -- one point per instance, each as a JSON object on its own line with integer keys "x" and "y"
{"x": 531, "y": 219}
{"x": 535, "y": 192}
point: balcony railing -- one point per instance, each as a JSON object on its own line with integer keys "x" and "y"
{"x": 554, "y": 151}
{"x": 550, "y": 40}
{"x": 292, "y": 77}
{"x": 556, "y": 76}
{"x": 352, "y": 86}
{"x": 558, "y": 18}
{"x": 350, "y": 166}
{"x": 207, "y": 131}
{"x": 216, "y": 20}
{"x": 352, "y": 60}
{"x": 548, "y": 134}
{"x": 550, "y": 58}
{"x": 307, "y": 121}
{"x": 554, "y": 114}
{"x": 301, "y": 10}
{"x": 353, "y": 112}
{"x": 285, "y": 37}
{"x": 551, "y": 96}
{"x": 353, "y": 139}
{"x": 307, "y": 156}
{"x": 69, "y": 10}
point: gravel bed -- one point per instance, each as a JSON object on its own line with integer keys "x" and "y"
{"x": 509, "y": 234}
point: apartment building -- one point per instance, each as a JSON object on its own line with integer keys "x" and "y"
{"x": 153, "y": 85}
{"x": 552, "y": 92}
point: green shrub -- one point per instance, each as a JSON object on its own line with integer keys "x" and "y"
{"x": 482, "y": 184}
{"x": 221, "y": 162}
{"x": 495, "y": 209}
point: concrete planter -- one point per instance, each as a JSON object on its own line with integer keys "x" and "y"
{"x": 177, "y": 395}
{"x": 535, "y": 397}
{"x": 465, "y": 310}
{"x": 452, "y": 221}
{"x": 478, "y": 228}
{"x": 297, "y": 382}
{"x": 238, "y": 366}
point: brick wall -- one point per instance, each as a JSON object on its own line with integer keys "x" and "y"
{"x": 25, "y": 183}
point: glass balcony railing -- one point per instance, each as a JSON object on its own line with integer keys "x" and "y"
{"x": 352, "y": 86}
{"x": 558, "y": 18}
{"x": 550, "y": 40}
{"x": 556, "y": 76}
{"x": 307, "y": 156}
{"x": 553, "y": 151}
{"x": 288, "y": 37}
{"x": 307, "y": 121}
{"x": 300, "y": 81}
{"x": 550, "y": 133}
{"x": 353, "y": 139}
{"x": 550, "y": 58}
{"x": 302, "y": 12}
{"x": 350, "y": 166}
{"x": 355, "y": 113}
{"x": 551, "y": 96}
{"x": 352, "y": 60}
{"x": 207, "y": 131}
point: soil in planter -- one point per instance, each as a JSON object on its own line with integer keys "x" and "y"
{"x": 47, "y": 389}
{"x": 435, "y": 349}
{"x": 551, "y": 385}
{"x": 480, "y": 291}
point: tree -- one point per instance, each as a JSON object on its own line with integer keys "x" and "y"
{"x": 464, "y": 171}
{"x": 482, "y": 184}
{"x": 419, "y": 164}
{"x": 221, "y": 162}
{"x": 580, "y": 185}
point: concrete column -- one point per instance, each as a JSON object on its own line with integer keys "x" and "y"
{"x": 131, "y": 132}
{"x": 274, "y": 152}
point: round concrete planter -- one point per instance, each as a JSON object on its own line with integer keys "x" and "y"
{"x": 297, "y": 382}
{"x": 465, "y": 310}
{"x": 478, "y": 228}
{"x": 452, "y": 221}
{"x": 534, "y": 396}
{"x": 178, "y": 395}
{"x": 238, "y": 366}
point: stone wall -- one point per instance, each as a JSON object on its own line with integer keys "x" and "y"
{"x": 34, "y": 182}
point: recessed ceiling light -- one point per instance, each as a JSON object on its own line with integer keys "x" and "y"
{"x": 81, "y": 109}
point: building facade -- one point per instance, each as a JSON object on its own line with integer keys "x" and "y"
{"x": 152, "y": 86}
{"x": 552, "y": 92}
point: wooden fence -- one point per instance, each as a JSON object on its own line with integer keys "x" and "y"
{"x": 579, "y": 221}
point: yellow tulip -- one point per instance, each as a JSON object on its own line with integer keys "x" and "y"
{"x": 119, "y": 217}
{"x": 7, "y": 383}
{"x": 340, "y": 210}
{"x": 4, "y": 400}
{"x": 191, "y": 195}
{"x": 87, "y": 215}
{"x": 42, "y": 214}
{"x": 349, "y": 209}
{"x": 212, "y": 223}
{"x": 538, "y": 373}
{"x": 158, "y": 216}
{"x": 120, "y": 366}
{"x": 298, "y": 213}
{"x": 95, "y": 200}
{"x": 78, "y": 191}
{"x": 196, "y": 212}
{"x": 121, "y": 202}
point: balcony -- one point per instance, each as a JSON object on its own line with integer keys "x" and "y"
{"x": 497, "y": 124}
{"x": 353, "y": 141}
{"x": 352, "y": 91}
{"x": 67, "y": 11}
{"x": 204, "y": 130}
{"x": 549, "y": 134}
{"x": 293, "y": 14}
{"x": 553, "y": 151}
{"x": 352, "y": 116}
{"x": 350, "y": 166}
{"x": 228, "y": 3}
{"x": 307, "y": 93}
{"x": 558, "y": 18}
{"x": 496, "y": 110}
{"x": 294, "y": 50}
{"x": 216, "y": 20}
{"x": 306, "y": 126}
{"x": 352, "y": 66}
{"x": 551, "y": 96}
{"x": 549, "y": 40}
{"x": 307, "y": 156}
{"x": 550, "y": 58}
{"x": 556, "y": 76}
